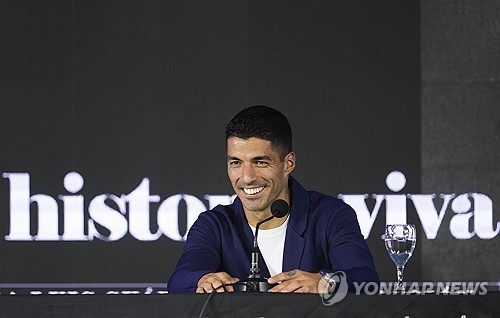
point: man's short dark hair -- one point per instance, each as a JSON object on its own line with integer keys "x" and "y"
{"x": 265, "y": 123}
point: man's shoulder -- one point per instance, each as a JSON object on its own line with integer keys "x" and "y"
{"x": 218, "y": 214}
{"x": 322, "y": 200}
{"x": 328, "y": 213}
{"x": 316, "y": 200}
{"x": 325, "y": 206}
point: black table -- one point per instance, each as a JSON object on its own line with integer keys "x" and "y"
{"x": 249, "y": 305}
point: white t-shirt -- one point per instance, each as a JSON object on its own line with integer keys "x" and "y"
{"x": 272, "y": 244}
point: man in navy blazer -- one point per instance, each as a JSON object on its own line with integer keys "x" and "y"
{"x": 319, "y": 236}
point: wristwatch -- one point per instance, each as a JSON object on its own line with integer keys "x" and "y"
{"x": 329, "y": 279}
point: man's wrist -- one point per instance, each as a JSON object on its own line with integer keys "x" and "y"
{"x": 329, "y": 279}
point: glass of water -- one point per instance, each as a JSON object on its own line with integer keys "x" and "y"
{"x": 400, "y": 241}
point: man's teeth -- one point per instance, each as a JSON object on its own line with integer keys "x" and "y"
{"x": 253, "y": 190}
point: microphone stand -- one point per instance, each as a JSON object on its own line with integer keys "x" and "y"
{"x": 255, "y": 269}
{"x": 255, "y": 282}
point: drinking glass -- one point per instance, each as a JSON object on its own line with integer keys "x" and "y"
{"x": 400, "y": 240}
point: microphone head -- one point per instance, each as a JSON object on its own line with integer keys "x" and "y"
{"x": 279, "y": 208}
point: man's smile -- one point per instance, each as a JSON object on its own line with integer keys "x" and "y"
{"x": 252, "y": 191}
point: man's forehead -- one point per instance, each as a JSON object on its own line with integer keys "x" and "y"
{"x": 250, "y": 139}
{"x": 249, "y": 143}
{"x": 253, "y": 147}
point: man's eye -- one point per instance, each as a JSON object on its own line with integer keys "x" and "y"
{"x": 233, "y": 163}
{"x": 261, "y": 163}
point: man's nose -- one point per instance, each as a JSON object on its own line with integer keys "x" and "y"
{"x": 249, "y": 174}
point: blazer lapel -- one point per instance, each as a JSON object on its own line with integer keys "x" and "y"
{"x": 295, "y": 241}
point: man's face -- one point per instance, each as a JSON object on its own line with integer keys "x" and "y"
{"x": 257, "y": 173}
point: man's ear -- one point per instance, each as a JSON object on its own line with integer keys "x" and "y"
{"x": 290, "y": 162}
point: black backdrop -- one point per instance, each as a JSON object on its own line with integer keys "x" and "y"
{"x": 119, "y": 91}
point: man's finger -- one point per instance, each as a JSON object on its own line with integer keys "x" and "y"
{"x": 230, "y": 287}
{"x": 220, "y": 288}
{"x": 286, "y": 287}
{"x": 302, "y": 290}
{"x": 207, "y": 283}
{"x": 218, "y": 282}
{"x": 281, "y": 277}
{"x": 226, "y": 282}
{"x": 208, "y": 288}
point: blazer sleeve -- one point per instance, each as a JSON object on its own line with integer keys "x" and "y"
{"x": 201, "y": 255}
{"x": 348, "y": 250}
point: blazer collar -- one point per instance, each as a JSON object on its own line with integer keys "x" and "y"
{"x": 295, "y": 242}
{"x": 299, "y": 207}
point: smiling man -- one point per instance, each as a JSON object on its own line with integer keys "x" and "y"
{"x": 259, "y": 175}
{"x": 319, "y": 236}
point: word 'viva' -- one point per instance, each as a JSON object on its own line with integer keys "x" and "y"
{"x": 111, "y": 217}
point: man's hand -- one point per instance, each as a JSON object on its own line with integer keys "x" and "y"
{"x": 215, "y": 281}
{"x": 296, "y": 281}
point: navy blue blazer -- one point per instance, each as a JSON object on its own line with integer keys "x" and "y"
{"x": 322, "y": 234}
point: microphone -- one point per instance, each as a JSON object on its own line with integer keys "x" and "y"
{"x": 279, "y": 208}
{"x": 256, "y": 282}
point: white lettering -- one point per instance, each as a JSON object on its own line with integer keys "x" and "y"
{"x": 456, "y": 287}
{"x": 365, "y": 217}
{"x": 74, "y": 217}
{"x": 459, "y": 224}
{"x": 427, "y": 287}
{"x": 395, "y": 203}
{"x": 371, "y": 288}
{"x": 483, "y": 217}
{"x": 358, "y": 287}
{"x": 20, "y": 202}
{"x": 484, "y": 289}
{"x": 470, "y": 287}
{"x": 138, "y": 214}
{"x": 111, "y": 217}
{"x": 107, "y": 217}
{"x": 386, "y": 288}
{"x": 47, "y": 217}
{"x": 168, "y": 215}
{"x": 414, "y": 288}
{"x": 442, "y": 288}
{"x": 428, "y": 215}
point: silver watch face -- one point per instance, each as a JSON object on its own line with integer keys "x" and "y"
{"x": 329, "y": 279}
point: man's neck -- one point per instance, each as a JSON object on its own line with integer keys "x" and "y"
{"x": 255, "y": 217}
